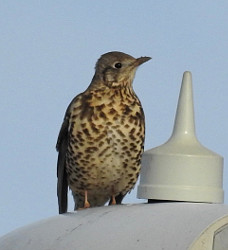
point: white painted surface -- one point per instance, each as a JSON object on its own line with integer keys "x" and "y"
{"x": 159, "y": 226}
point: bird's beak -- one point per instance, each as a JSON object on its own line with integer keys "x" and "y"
{"x": 141, "y": 60}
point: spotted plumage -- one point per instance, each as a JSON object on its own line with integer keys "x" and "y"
{"x": 101, "y": 140}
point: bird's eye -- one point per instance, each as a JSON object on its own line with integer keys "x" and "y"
{"x": 118, "y": 65}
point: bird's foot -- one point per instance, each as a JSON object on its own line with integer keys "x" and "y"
{"x": 113, "y": 200}
{"x": 86, "y": 203}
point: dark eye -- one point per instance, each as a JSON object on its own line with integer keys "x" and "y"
{"x": 118, "y": 65}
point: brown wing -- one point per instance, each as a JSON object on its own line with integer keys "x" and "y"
{"x": 61, "y": 147}
{"x": 62, "y": 185}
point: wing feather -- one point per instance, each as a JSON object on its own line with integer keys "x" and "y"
{"x": 61, "y": 147}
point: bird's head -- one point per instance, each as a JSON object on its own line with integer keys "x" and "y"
{"x": 116, "y": 69}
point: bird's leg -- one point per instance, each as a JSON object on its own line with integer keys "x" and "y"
{"x": 113, "y": 200}
{"x": 86, "y": 203}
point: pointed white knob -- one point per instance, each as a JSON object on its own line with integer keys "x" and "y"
{"x": 184, "y": 125}
{"x": 182, "y": 169}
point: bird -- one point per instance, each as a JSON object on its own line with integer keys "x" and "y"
{"x": 101, "y": 140}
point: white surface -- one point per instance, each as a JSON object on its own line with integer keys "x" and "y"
{"x": 167, "y": 226}
{"x": 214, "y": 237}
{"x": 182, "y": 169}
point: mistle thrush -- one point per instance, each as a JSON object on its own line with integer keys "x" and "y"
{"x": 101, "y": 140}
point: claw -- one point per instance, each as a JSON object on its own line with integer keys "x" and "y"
{"x": 86, "y": 203}
{"x": 113, "y": 200}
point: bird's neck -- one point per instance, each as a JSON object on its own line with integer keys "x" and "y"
{"x": 110, "y": 95}
{"x": 98, "y": 83}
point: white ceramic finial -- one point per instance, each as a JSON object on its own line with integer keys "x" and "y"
{"x": 184, "y": 125}
{"x": 182, "y": 169}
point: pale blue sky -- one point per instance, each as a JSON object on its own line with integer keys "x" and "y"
{"x": 48, "y": 52}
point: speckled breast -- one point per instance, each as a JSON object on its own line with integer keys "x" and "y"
{"x": 106, "y": 138}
